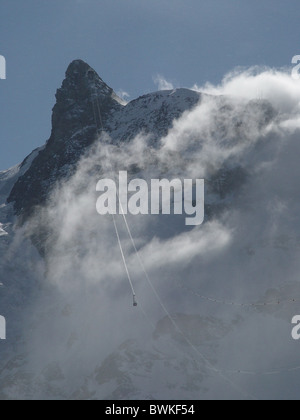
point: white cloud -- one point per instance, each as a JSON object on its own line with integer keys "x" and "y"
{"x": 249, "y": 248}
{"x": 276, "y": 86}
{"x": 123, "y": 94}
{"x": 162, "y": 83}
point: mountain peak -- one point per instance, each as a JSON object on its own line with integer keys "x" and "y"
{"x": 84, "y": 105}
{"x": 78, "y": 67}
{"x": 75, "y": 124}
{"x": 82, "y": 82}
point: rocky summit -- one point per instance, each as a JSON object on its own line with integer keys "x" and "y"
{"x": 84, "y": 105}
{"x": 73, "y": 130}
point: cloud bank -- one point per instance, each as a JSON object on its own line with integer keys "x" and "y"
{"x": 243, "y": 138}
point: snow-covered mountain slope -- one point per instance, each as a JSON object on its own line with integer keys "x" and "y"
{"x": 214, "y": 302}
{"x": 9, "y": 178}
{"x": 85, "y": 104}
{"x": 152, "y": 114}
{"x": 7, "y": 217}
{"x": 76, "y": 120}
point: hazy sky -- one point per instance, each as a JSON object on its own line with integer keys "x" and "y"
{"x": 128, "y": 42}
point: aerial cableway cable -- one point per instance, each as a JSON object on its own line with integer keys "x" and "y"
{"x": 96, "y": 109}
{"x": 206, "y": 362}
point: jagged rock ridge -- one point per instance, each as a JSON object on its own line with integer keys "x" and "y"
{"x": 73, "y": 130}
{"x": 76, "y": 121}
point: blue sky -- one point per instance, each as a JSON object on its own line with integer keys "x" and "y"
{"x": 128, "y": 42}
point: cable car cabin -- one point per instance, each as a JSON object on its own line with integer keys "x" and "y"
{"x": 134, "y": 301}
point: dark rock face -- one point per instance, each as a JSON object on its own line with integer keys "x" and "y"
{"x": 76, "y": 120}
{"x": 74, "y": 129}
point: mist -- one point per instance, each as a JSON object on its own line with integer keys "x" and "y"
{"x": 81, "y": 336}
